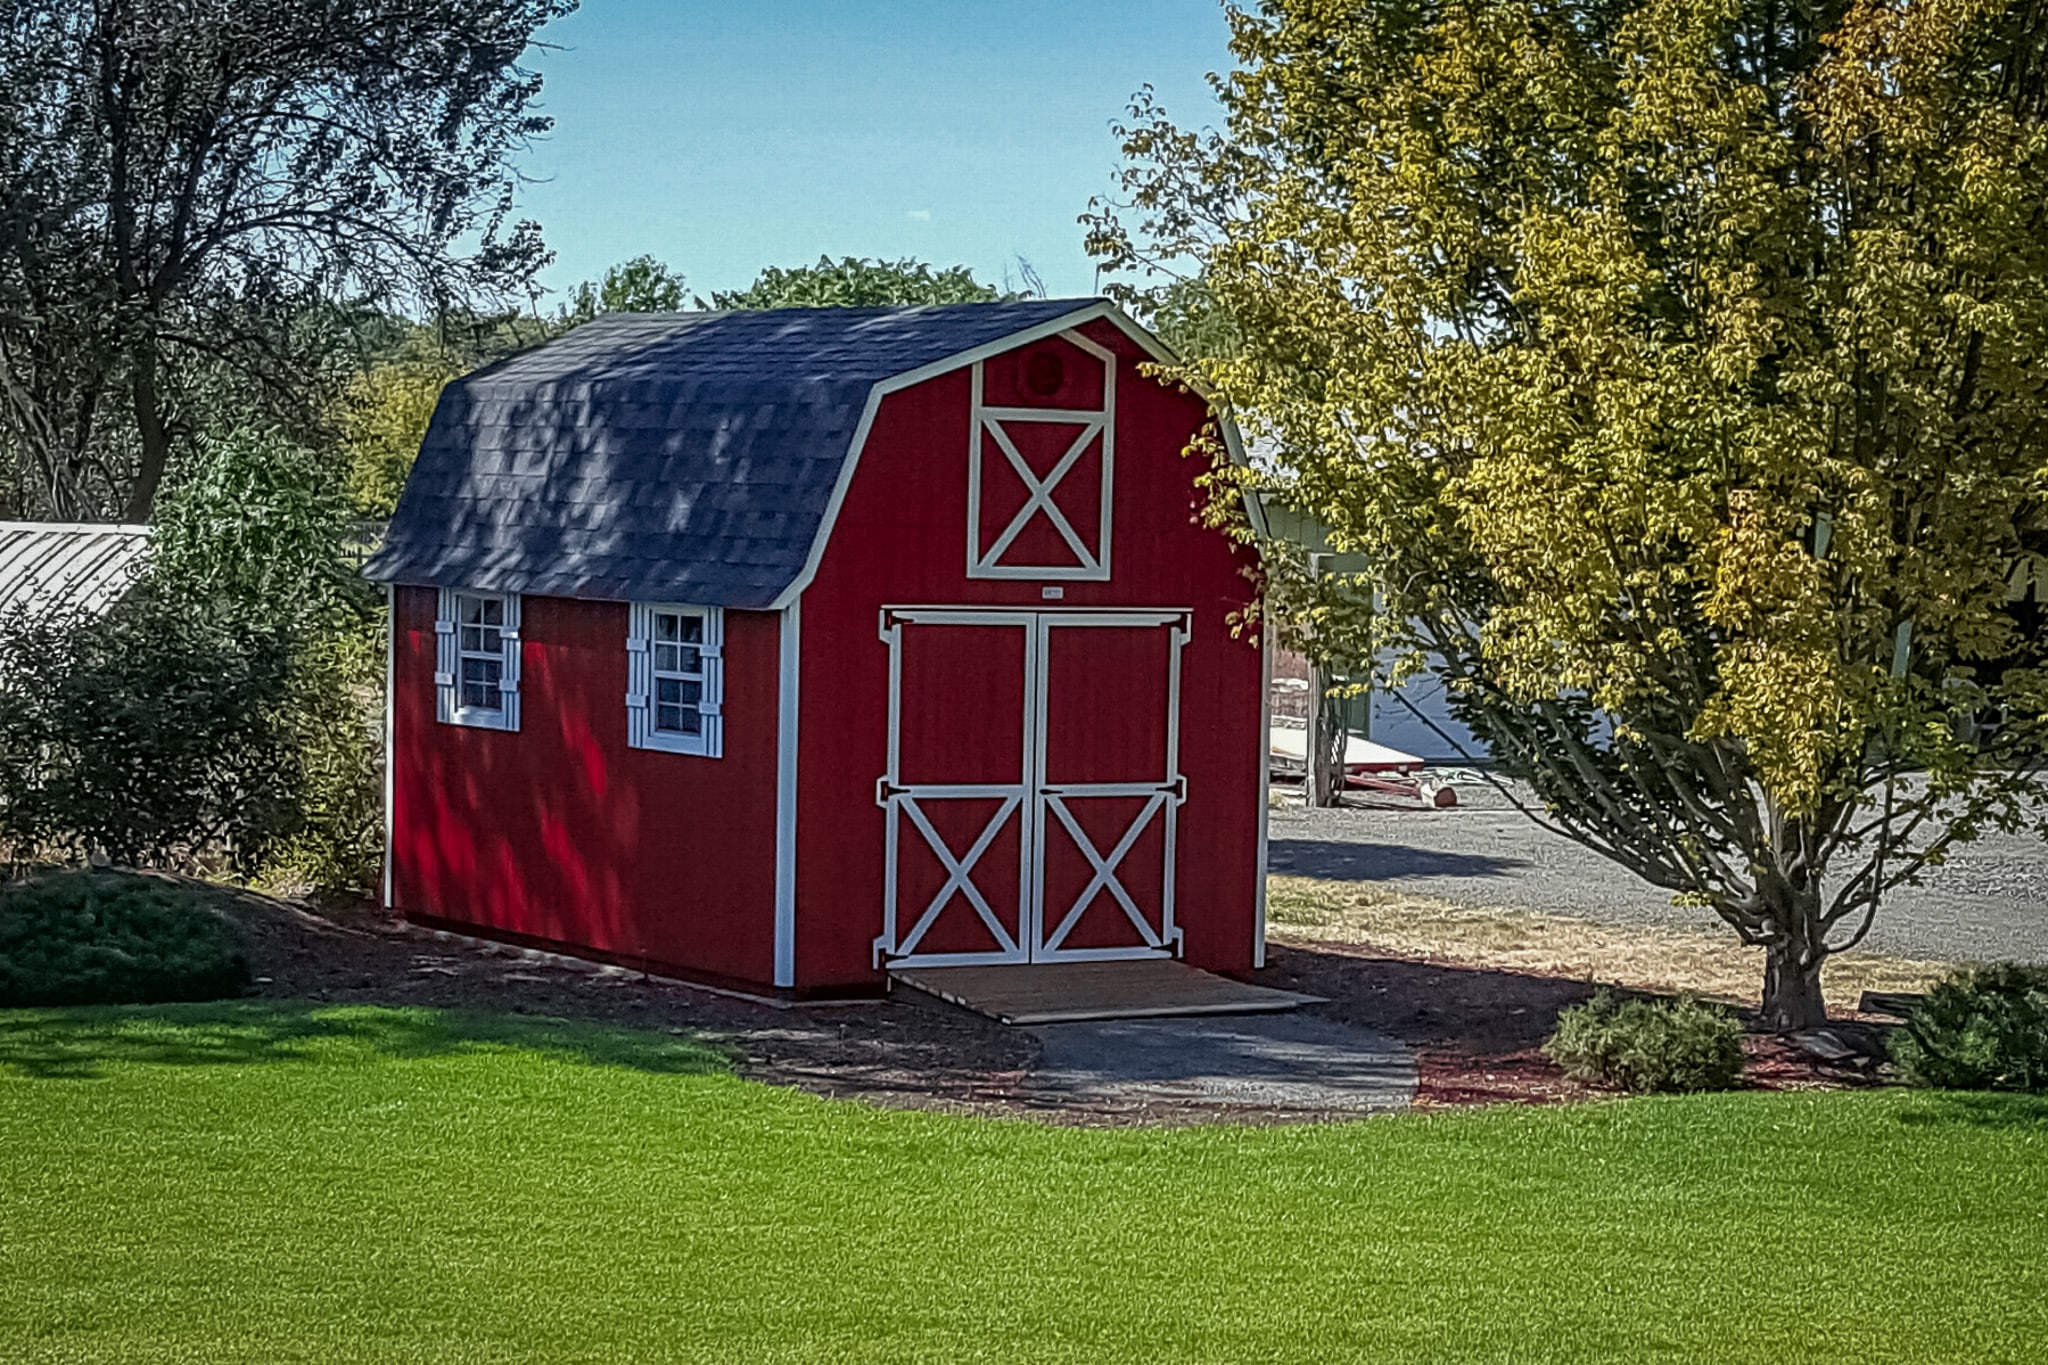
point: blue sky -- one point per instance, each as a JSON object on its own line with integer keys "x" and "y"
{"x": 726, "y": 135}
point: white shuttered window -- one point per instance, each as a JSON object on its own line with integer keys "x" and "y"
{"x": 476, "y": 659}
{"x": 675, "y": 679}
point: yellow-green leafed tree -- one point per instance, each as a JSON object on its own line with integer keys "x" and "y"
{"x": 381, "y": 420}
{"x": 1682, "y": 367}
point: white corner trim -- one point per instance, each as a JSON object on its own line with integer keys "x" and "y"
{"x": 1265, "y": 788}
{"x": 390, "y": 726}
{"x": 787, "y": 673}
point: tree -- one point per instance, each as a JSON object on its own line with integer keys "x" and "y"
{"x": 218, "y": 715}
{"x": 186, "y": 184}
{"x": 152, "y": 736}
{"x": 855, "y": 282}
{"x": 641, "y": 285}
{"x": 381, "y": 420}
{"x": 1677, "y": 366}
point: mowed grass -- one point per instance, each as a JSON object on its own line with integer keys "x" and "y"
{"x": 280, "y": 1183}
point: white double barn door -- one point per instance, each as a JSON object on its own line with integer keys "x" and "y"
{"x": 1033, "y": 787}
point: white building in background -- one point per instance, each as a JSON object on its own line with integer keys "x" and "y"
{"x": 77, "y": 566}
{"x": 1416, "y": 719}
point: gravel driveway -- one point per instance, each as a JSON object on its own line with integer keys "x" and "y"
{"x": 1989, "y": 902}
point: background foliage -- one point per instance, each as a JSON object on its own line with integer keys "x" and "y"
{"x": 189, "y": 189}
{"x": 855, "y": 282}
{"x": 222, "y": 716}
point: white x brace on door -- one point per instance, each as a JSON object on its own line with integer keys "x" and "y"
{"x": 1032, "y": 791}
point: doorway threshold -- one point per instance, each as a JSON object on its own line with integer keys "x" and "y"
{"x": 1069, "y": 992}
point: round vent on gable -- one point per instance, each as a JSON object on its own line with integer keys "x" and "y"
{"x": 1044, "y": 373}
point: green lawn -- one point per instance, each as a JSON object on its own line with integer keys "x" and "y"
{"x": 252, "y": 1183}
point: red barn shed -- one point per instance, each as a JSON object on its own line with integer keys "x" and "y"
{"x": 777, "y": 648}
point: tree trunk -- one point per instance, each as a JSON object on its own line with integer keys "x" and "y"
{"x": 1325, "y": 742}
{"x": 155, "y": 434}
{"x": 1792, "y": 998}
{"x": 1794, "y": 940}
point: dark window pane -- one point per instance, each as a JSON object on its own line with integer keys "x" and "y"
{"x": 682, "y": 720}
{"x": 480, "y": 679}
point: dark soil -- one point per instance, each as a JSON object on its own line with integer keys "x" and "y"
{"x": 1476, "y": 1033}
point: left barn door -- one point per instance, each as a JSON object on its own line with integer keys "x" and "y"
{"x": 958, "y": 795}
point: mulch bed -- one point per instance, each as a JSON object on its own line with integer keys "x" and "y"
{"x": 1476, "y": 1032}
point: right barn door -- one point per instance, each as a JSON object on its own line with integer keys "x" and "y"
{"x": 1107, "y": 784}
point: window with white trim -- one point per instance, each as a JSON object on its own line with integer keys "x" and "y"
{"x": 476, "y": 659}
{"x": 675, "y": 679}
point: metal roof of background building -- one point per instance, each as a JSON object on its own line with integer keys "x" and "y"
{"x": 67, "y": 565}
{"x": 682, "y": 457}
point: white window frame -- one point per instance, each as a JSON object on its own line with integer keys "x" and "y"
{"x": 642, "y": 679}
{"x": 449, "y": 654}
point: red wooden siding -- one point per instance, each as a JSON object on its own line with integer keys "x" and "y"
{"x": 900, "y": 540}
{"x": 562, "y": 833}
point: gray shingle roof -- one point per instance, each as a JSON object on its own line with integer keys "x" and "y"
{"x": 681, "y": 457}
{"x": 67, "y": 566}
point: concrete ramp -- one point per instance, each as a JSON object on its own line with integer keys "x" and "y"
{"x": 1069, "y": 992}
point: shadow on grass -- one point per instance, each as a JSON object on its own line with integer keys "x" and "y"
{"x": 1977, "y": 1109}
{"x": 78, "y": 1044}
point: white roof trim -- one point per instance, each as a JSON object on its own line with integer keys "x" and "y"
{"x": 95, "y": 527}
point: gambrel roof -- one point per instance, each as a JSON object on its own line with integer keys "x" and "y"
{"x": 67, "y": 566}
{"x": 683, "y": 457}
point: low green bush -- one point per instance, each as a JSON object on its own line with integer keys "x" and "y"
{"x": 1982, "y": 1028}
{"x": 1648, "y": 1046}
{"x": 115, "y": 938}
